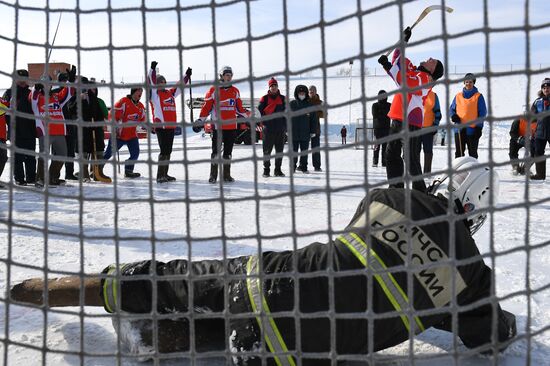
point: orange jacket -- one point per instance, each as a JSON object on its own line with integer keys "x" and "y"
{"x": 55, "y": 110}
{"x": 522, "y": 128}
{"x": 230, "y": 105}
{"x": 128, "y": 111}
{"x": 466, "y": 108}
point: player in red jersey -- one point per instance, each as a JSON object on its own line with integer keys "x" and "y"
{"x": 224, "y": 99}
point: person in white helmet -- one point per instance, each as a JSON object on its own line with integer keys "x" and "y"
{"x": 224, "y": 99}
{"x": 386, "y": 244}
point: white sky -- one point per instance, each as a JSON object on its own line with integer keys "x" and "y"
{"x": 135, "y": 28}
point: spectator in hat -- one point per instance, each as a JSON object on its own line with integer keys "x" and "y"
{"x": 24, "y": 129}
{"x": 71, "y": 116}
{"x": 274, "y": 131}
{"x": 542, "y": 136}
{"x": 467, "y": 111}
{"x": 344, "y": 134}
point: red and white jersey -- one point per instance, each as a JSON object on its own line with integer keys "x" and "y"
{"x": 163, "y": 102}
{"x": 54, "y": 109}
{"x": 230, "y": 106}
{"x": 415, "y": 99}
{"x": 128, "y": 111}
{"x": 3, "y": 131}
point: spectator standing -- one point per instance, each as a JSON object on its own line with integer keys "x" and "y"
{"x": 303, "y": 126}
{"x": 274, "y": 130}
{"x": 520, "y": 131}
{"x": 468, "y": 108}
{"x": 71, "y": 116}
{"x": 3, "y": 137}
{"x": 542, "y": 135}
{"x": 344, "y": 134}
{"x": 24, "y": 169}
{"x": 381, "y": 126}
{"x": 50, "y": 122}
{"x": 432, "y": 117}
{"x": 315, "y": 100}
{"x": 414, "y": 79}
{"x": 128, "y": 110}
{"x": 227, "y": 99}
{"x": 163, "y": 106}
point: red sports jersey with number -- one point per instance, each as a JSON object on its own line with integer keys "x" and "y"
{"x": 230, "y": 106}
{"x": 54, "y": 108}
{"x": 3, "y": 107}
{"x": 127, "y": 111}
{"x": 163, "y": 103}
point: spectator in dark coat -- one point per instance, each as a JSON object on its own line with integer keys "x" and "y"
{"x": 542, "y": 136}
{"x": 303, "y": 126}
{"x": 274, "y": 128}
{"x": 316, "y": 140}
{"x": 71, "y": 116}
{"x": 344, "y": 134}
{"x": 381, "y": 125}
{"x": 24, "y": 169}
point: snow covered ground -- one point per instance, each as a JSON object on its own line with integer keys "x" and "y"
{"x": 276, "y": 213}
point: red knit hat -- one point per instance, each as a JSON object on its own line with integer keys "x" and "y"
{"x": 272, "y": 81}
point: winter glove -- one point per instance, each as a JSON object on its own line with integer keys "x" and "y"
{"x": 383, "y": 60}
{"x": 189, "y": 72}
{"x": 198, "y": 125}
{"x": 478, "y": 132}
{"x": 39, "y": 87}
{"x": 455, "y": 118}
{"x": 521, "y": 141}
{"x": 154, "y": 65}
{"x": 72, "y": 74}
{"x": 407, "y": 34}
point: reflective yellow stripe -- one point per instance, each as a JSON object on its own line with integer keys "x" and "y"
{"x": 386, "y": 280}
{"x": 110, "y": 289}
{"x": 273, "y": 337}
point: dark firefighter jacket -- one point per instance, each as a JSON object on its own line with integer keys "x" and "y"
{"x": 384, "y": 251}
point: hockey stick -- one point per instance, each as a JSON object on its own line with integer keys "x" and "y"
{"x": 191, "y": 99}
{"x": 425, "y": 12}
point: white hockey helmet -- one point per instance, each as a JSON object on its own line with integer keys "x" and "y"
{"x": 225, "y": 70}
{"x": 470, "y": 188}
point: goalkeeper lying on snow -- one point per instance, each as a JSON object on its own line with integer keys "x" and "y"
{"x": 377, "y": 239}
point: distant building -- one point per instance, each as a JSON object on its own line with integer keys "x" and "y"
{"x": 54, "y": 69}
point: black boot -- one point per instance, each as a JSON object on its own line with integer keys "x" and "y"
{"x": 541, "y": 171}
{"x": 131, "y": 175}
{"x": 266, "y": 173}
{"x": 40, "y": 173}
{"x": 428, "y": 163}
{"x": 213, "y": 173}
{"x": 55, "y": 171}
{"x": 227, "y": 173}
{"x": 278, "y": 172}
{"x": 161, "y": 170}
{"x": 168, "y": 177}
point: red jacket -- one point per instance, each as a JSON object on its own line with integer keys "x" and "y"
{"x": 128, "y": 111}
{"x": 230, "y": 105}
{"x": 413, "y": 78}
{"x": 3, "y": 130}
{"x": 55, "y": 110}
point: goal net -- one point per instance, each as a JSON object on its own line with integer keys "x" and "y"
{"x": 224, "y": 301}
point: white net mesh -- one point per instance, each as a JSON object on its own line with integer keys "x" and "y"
{"x": 82, "y": 227}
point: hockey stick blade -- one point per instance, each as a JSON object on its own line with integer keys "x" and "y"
{"x": 425, "y": 12}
